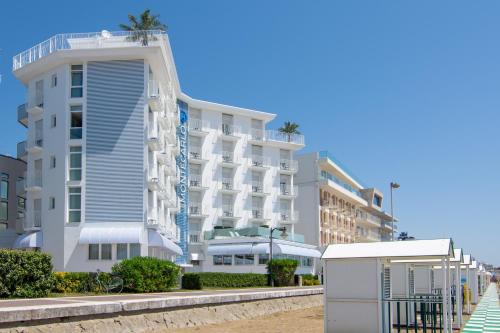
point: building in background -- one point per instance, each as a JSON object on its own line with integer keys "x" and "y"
{"x": 101, "y": 121}
{"x": 12, "y": 199}
{"x": 121, "y": 163}
{"x": 339, "y": 208}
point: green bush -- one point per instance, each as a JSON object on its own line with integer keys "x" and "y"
{"x": 282, "y": 271}
{"x": 310, "y": 280}
{"x": 147, "y": 274}
{"x": 223, "y": 280}
{"x": 77, "y": 282}
{"x": 192, "y": 281}
{"x": 25, "y": 274}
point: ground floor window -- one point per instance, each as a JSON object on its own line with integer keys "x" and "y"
{"x": 263, "y": 259}
{"x": 93, "y": 251}
{"x": 135, "y": 250}
{"x": 223, "y": 260}
{"x": 121, "y": 251}
{"x": 243, "y": 259}
{"x": 105, "y": 251}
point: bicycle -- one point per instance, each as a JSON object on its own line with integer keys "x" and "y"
{"x": 112, "y": 284}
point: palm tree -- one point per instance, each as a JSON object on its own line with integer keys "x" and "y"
{"x": 141, "y": 31}
{"x": 289, "y": 129}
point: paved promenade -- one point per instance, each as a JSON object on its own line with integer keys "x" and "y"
{"x": 48, "y": 308}
{"x": 486, "y": 317}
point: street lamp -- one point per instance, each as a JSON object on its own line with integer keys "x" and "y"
{"x": 283, "y": 235}
{"x": 394, "y": 186}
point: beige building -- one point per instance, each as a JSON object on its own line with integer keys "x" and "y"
{"x": 338, "y": 207}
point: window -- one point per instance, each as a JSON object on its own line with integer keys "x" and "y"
{"x": 105, "y": 251}
{"x": 52, "y": 203}
{"x": 75, "y": 203}
{"x": 76, "y": 81}
{"x": 4, "y": 189}
{"x": 243, "y": 259}
{"x": 53, "y": 81}
{"x": 75, "y": 131}
{"x": 223, "y": 260}
{"x": 121, "y": 251}
{"x": 75, "y": 163}
{"x": 135, "y": 250}
{"x": 93, "y": 251}
{"x": 52, "y": 162}
{"x": 53, "y": 121}
{"x": 21, "y": 203}
{"x": 263, "y": 259}
{"x": 377, "y": 200}
{"x": 4, "y": 210}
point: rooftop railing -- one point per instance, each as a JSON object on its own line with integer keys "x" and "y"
{"x": 328, "y": 155}
{"x": 274, "y": 135}
{"x": 329, "y": 176}
{"x": 87, "y": 40}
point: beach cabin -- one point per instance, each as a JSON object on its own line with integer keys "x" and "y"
{"x": 474, "y": 281}
{"x": 466, "y": 283}
{"x": 359, "y": 287}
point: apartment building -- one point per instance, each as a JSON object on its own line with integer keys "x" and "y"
{"x": 12, "y": 199}
{"x": 101, "y": 120}
{"x": 122, "y": 163}
{"x": 339, "y": 208}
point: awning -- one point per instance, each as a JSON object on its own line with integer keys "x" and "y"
{"x": 221, "y": 249}
{"x": 32, "y": 240}
{"x": 155, "y": 239}
{"x": 263, "y": 248}
{"x": 110, "y": 235}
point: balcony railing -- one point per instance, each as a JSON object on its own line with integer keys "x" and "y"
{"x": 230, "y": 129}
{"x": 273, "y": 135}
{"x": 195, "y": 208}
{"x": 369, "y": 217}
{"x": 21, "y": 149}
{"x": 90, "y": 40}
{"x": 153, "y": 89}
{"x": 35, "y": 143}
{"x": 228, "y": 184}
{"x": 198, "y": 125}
{"x": 329, "y": 176}
{"x": 195, "y": 180}
{"x": 153, "y": 216}
{"x": 260, "y": 161}
{"x": 228, "y": 157}
{"x": 36, "y": 222}
{"x": 227, "y": 211}
{"x": 257, "y": 187}
{"x": 288, "y": 216}
{"x": 289, "y": 190}
{"x": 22, "y": 114}
{"x": 289, "y": 165}
{"x": 35, "y": 180}
{"x": 195, "y": 152}
{"x": 20, "y": 186}
{"x": 257, "y": 213}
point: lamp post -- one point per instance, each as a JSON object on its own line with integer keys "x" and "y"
{"x": 283, "y": 235}
{"x": 394, "y": 186}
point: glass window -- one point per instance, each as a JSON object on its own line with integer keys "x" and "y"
{"x": 76, "y": 122}
{"x": 75, "y": 163}
{"x": 121, "y": 251}
{"x": 4, "y": 210}
{"x": 75, "y": 203}
{"x": 263, "y": 259}
{"x": 227, "y": 260}
{"x": 52, "y": 162}
{"x": 21, "y": 203}
{"x": 93, "y": 251}
{"x": 243, "y": 259}
{"x": 217, "y": 260}
{"x": 53, "y": 81}
{"x": 4, "y": 189}
{"x": 105, "y": 251}
{"x": 53, "y": 121}
{"x": 52, "y": 203}
{"x": 135, "y": 250}
{"x": 77, "y": 81}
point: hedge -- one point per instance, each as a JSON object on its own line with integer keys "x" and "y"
{"x": 25, "y": 273}
{"x": 223, "y": 280}
{"x": 282, "y": 271}
{"x": 77, "y": 282}
{"x": 147, "y": 274}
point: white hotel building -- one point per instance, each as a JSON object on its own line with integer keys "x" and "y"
{"x": 121, "y": 163}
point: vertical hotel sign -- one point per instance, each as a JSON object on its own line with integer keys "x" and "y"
{"x": 182, "y": 187}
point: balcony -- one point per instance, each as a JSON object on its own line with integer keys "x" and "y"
{"x": 35, "y": 223}
{"x": 35, "y": 181}
{"x": 288, "y": 167}
{"x": 195, "y": 155}
{"x": 230, "y": 132}
{"x": 155, "y": 141}
{"x": 153, "y": 221}
{"x": 22, "y": 153}
{"x": 196, "y": 210}
{"x": 22, "y": 114}
{"x": 35, "y": 107}
{"x": 90, "y": 40}
{"x": 259, "y": 163}
{"x": 155, "y": 98}
{"x": 195, "y": 183}
{"x": 276, "y": 138}
{"x": 288, "y": 217}
{"x": 368, "y": 219}
{"x": 257, "y": 216}
{"x": 198, "y": 127}
{"x": 228, "y": 186}
{"x": 363, "y": 235}
{"x": 228, "y": 159}
{"x": 155, "y": 181}
{"x": 20, "y": 187}
{"x": 228, "y": 213}
{"x": 258, "y": 189}
{"x": 288, "y": 191}
{"x": 35, "y": 145}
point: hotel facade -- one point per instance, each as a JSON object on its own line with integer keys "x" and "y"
{"x": 122, "y": 163}
{"x": 339, "y": 208}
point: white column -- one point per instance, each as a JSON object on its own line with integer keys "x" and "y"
{"x": 448, "y": 293}
{"x": 458, "y": 295}
{"x": 467, "y": 281}
{"x": 445, "y": 298}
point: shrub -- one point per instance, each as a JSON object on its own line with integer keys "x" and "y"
{"x": 282, "y": 271}
{"x": 310, "y": 280}
{"x": 25, "y": 273}
{"x": 77, "y": 282}
{"x": 223, "y": 280}
{"x": 147, "y": 274}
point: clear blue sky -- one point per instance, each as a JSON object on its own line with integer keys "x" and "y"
{"x": 397, "y": 90}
